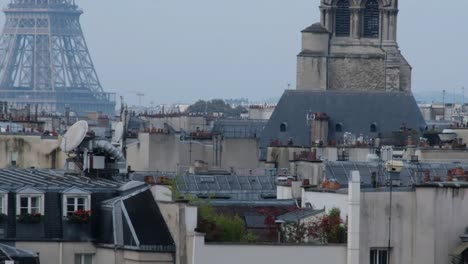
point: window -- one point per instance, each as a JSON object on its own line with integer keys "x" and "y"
{"x": 378, "y": 256}
{"x": 373, "y": 128}
{"x": 342, "y": 19}
{"x": 3, "y": 202}
{"x": 13, "y": 159}
{"x": 84, "y": 258}
{"x": 283, "y": 127}
{"x": 29, "y": 201}
{"x": 371, "y": 19}
{"x": 75, "y": 199}
{"x": 75, "y": 204}
{"x": 339, "y": 127}
{"x": 30, "y": 205}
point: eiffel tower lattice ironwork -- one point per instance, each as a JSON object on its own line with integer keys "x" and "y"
{"x": 44, "y": 59}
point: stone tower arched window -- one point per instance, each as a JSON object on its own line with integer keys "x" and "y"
{"x": 371, "y": 19}
{"x": 342, "y": 19}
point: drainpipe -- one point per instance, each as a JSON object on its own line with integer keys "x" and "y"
{"x": 61, "y": 253}
{"x": 354, "y": 207}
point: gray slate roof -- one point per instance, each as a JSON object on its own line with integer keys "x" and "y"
{"x": 316, "y": 28}
{"x": 340, "y": 171}
{"x": 233, "y": 186}
{"x": 239, "y": 128}
{"x": 356, "y": 111}
{"x": 299, "y": 214}
{"x": 12, "y": 179}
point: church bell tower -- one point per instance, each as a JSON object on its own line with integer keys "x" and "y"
{"x": 353, "y": 48}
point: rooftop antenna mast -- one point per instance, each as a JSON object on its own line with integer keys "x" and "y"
{"x": 443, "y": 105}
{"x": 463, "y": 99}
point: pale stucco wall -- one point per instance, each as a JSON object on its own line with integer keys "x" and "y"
{"x": 374, "y": 225}
{"x": 283, "y": 192}
{"x": 119, "y": 256}
{"x": 31, "y": 151}
{"x": 261, "y": 113}
{"x": 240, "y": 153}
{"x": 327, "y": 200}
{"x": 64, "y": 253}
{"x": 442, "y": 155}
{"x": 181, "y": 220}
{"x": 56, "y": 252}
{"x": 426, "y": 224}
{"x": 166, "y": 152}
{"x": 271, "y": 254}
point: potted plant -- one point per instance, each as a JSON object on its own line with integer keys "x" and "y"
{"x": 32, "y": 218}
{"x": 79, "y": 217}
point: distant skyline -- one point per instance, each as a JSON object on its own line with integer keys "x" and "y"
{"x": 181, "y": 51}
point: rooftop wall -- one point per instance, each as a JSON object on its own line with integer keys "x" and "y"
{"x": 271, "y": 254}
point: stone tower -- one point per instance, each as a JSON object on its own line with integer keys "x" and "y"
{"x": 353, "y": 48}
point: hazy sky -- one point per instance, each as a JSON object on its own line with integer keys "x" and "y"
{"x": 180, "y": 51}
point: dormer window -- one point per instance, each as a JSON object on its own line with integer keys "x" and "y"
{"x": 75, "y": 200}
{"x": 342, "y": 19}
{"x": 283, "y": 127}
{"x": 29, "y": 201}
{"x": 30, "y": 205}
{"x": 3, "y": 202}
{"x": 371, "y": 21}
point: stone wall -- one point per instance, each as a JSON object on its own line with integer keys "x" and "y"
{"x": 357, "y": 73}
{"x": 311, "y": 72}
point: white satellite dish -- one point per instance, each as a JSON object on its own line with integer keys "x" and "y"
{"x": 118, "y": 132}
{"x": 74, "y": 136}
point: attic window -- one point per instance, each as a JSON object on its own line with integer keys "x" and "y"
{"x": 283, "y": 127}
{"x": 339, "y": 127}
{"x": 3, "y": 203}
{"x": 342, "y": 19}
{"x": 29, "y": 201}
{"x": 373, "y": 128}
{"x": 75, "y": 200}
{"x": 29, "y": 204}
{"x": 371, "y": 19}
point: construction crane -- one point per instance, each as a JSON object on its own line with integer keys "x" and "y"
{"x": 140, "y": 96}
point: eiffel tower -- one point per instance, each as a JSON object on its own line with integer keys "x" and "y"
{"x": 44, "y": 59}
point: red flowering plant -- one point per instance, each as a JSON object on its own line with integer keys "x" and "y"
{"x": 29, "y": 218}
{"x": 79, "y": 216}
{"x": 329, "y": 228}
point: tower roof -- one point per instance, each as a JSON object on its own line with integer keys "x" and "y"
{"x": 356, "y": 111}
{"x": 315, "y": 28}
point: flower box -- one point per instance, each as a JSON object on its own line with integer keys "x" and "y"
{"x": 79, "y": 216}
{"x": 29, "y": 218}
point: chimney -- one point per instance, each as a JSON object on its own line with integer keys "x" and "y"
{"x": 354, "y": 208}
{"x": 319, "y": 129}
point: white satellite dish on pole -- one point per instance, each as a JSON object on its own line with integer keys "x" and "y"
{"x": 74, "y": 136}
{"x": 118, "y": 132}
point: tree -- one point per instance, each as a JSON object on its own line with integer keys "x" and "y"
{"x": 215, "y": 106}
{"x": 329, "y": 228}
